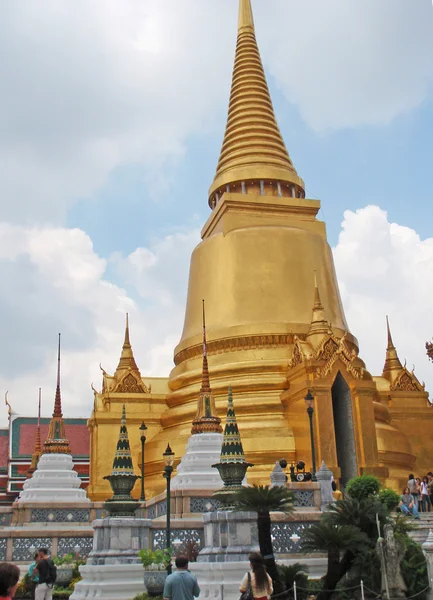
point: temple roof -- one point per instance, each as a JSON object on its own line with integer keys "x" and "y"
{"x": 253, "y": 147}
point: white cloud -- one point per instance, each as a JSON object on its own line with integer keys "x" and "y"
{"x": 347, "y": 64}
{"x": 386, "y": 269}
{"x": 54, "y": 281}
{"x": 89, "y": 86}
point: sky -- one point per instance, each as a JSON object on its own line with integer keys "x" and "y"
{"x": 112, "y": 114}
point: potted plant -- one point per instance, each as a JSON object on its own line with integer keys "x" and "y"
{"x": 65, "y": 568}
{"x": 155, "y": 569}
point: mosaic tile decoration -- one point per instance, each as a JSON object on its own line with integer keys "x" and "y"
{"x": 21, "y": 547}
{"x": 69, "y": 546}
{"x": 201, "y": 505}
{"x": 178, "y": 538}
{"x": 283, "y": 534}
{"x": 3, "y": 543}
{"x": 5, "y": 519}
{"x": 60, "y": 515}
{"x": 303, "y": 498}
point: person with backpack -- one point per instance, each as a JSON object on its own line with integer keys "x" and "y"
{"x": 47, "y": 572}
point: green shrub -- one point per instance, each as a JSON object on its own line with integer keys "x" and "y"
{"x": 363, "y": 487}
{"x": 389, "y": 498}
{"x": 158, "y": 557}
{"x": 145, "y": 596}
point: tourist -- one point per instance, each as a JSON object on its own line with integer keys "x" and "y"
{"x": 33, "y": 574}
{"x": 414, "y": 489}
{"x": 430, "y": 486}
{"x": 47, "y": 576}
{"x": 258, "y": 579}
{"x": 9, "y": 578}
{"x": 407, "y": 504}
{"x": 425, "y": 495}
{"x": 182, "y": 584}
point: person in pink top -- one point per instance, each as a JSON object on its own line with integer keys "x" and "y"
{"x": 9, "y": 578}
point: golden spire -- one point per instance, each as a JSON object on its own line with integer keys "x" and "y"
{"x": 319, "y": 324}
{"x": 127, "y": 360}
{"x": 206, "y": 419}
{"x": 392, "y": 366}
{"x": 253, "y": 158}
{"x": 38, "y": 446}
{"x": 56, "y": 442}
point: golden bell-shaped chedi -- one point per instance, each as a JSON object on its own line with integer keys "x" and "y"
{"x": 260, "y": 248}
{"x": 261, "y": 262}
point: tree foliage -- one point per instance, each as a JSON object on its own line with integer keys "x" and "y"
{"x": 264, "y": 499}
{"x": 363, "y": 487}
{"x": 348, "y": 533}
{"x": 389, "y": 498}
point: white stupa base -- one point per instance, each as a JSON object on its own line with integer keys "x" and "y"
{"x": 221, "y": 580}
{"x": 195, "y": 470}
{"x": 110, "y": 582}
{"x": 54, "y": 481}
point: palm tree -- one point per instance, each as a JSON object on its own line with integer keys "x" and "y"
{"x": 358, "y": 513}
{"x": 341, "y": 543}
{"x": 294, "y": 573}
{"x": 263, "y": 500}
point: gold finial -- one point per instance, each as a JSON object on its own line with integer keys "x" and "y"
{"x": 319, "y": 324}
{"x": 127, "y": 360}
{"x": 254, "y": 158}
{"x": 57, "y": 442}
{"x": 392, "y": 367}
{"x": 388, "y": 330}
{"x": 127, "y": 342}
{"x": 206, "y": 419}
{"x": 245, "y": 15}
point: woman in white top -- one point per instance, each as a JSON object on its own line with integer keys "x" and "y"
{"x": 261, "y": 583}
{"x": 425, "y": 498}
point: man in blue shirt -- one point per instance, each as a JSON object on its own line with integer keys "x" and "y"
{"x": 182, "y": 584}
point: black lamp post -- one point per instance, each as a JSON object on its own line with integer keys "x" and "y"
{"x": 142, "y": 428}
{"x": 168, "y": 470}
{"x": 309, "y": 401}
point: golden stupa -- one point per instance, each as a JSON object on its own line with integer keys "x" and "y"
{"x": 275, "y": 327}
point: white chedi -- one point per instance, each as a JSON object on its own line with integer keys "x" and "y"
{"x": 54, "y": 481}
{"x": 195, "y": 470}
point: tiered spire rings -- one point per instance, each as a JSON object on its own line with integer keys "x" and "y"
{"x": 206, "y": 419}
{"x": 253, "y": 155}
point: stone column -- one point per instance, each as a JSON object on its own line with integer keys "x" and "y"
{"x": 229, "y": 536}
{"x": 113, "y": 570}
{"x": 427, "y": 547}
{"x": 324, "y": 477}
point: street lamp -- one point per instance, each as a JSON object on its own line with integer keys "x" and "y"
{"x": 168, "y": 470}
{"x": 309, "y": 401}
{"x": 142, "y": 439}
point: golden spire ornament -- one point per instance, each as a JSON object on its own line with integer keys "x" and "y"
{"x": 127, "y": 360}
{"x": 392, "y": 366}
{"x": 206, "y": 419}
{"x": 253, "y": 149}
{"x": 56, "y": 442}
